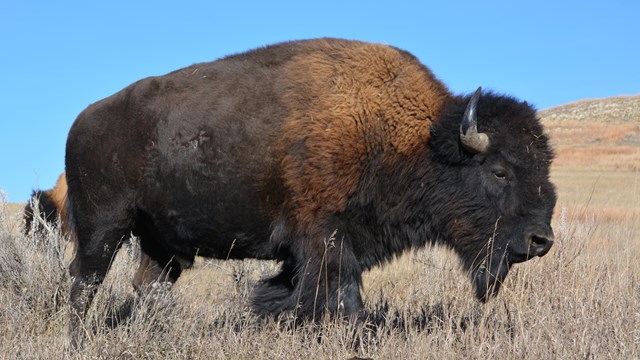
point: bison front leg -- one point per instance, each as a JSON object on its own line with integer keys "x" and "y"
{"x": 321, "y": 277}
{"x": 328, "y": 279}
{"x": 273, "y": 295}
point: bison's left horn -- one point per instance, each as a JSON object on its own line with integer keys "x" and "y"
{"x": 471, "y": 139}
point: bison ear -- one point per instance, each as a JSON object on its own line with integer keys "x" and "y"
{"x": 470, "y": 138}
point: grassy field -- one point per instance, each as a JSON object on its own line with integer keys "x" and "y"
{"x": 581, "y": 301}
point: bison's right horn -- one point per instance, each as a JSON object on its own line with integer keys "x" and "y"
{"x": 471, "y": 139}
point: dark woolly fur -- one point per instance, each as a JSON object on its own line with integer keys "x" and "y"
{"x": 331, "y": 156}
{"x": 490, "y": 207}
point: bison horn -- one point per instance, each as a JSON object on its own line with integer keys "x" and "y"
{"x": 471, "y": 139}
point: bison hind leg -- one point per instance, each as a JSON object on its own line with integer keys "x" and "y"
{"x": 92, "y": 261}
{"x": 159, "y": 267}
{"x": 273, "y": 296}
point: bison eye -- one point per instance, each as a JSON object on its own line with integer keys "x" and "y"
{"x": 500, "y": 173}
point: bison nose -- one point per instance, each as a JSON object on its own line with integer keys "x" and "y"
{"x": 540, "y": 245}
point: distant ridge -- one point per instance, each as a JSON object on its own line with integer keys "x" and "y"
{"x": 594, "y": 134}
{"x": 617, "y": 109}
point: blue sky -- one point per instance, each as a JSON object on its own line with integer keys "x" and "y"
{"x": 57, "y": 57}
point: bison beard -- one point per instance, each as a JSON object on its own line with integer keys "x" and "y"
{"x": 330, "y": 156}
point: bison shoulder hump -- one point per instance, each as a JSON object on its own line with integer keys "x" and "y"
{"x": 350, "y": 103}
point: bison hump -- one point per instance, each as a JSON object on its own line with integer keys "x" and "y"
{"x": 351, "y": 105}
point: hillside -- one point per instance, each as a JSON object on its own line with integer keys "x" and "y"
{"x": 618, "y": 109}
{"x": 600, "y": 134}
{"x": 597, "y": 168}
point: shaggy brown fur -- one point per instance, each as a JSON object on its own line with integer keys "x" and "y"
{"x": 350, "y": 103}
{"x": 59, "y": 196}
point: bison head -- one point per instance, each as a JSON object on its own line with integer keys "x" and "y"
{"x": 494, "y": 159}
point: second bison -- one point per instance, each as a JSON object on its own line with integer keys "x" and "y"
{"x": 330, "y": 156}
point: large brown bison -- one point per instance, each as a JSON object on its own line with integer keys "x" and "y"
{"x": 330, "y": 156}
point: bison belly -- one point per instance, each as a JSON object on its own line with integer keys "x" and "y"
{"x": 214, "y": 195}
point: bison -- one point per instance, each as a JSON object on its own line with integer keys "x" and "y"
{"x": 329, "y": 156}
{"x": 51, "y": 206}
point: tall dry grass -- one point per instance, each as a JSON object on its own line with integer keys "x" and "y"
{"x": 582, "y": 300}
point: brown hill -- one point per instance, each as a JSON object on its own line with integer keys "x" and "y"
{"x": 618, "y": 109}
{"x": 599, "y": 134}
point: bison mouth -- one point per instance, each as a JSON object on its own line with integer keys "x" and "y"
{"x": 488, "y": 277}
{"x": 489, "y": 274}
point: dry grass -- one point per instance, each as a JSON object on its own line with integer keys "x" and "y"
{"x": 580, "y": 301}
{"x": 599, "y": 191}
{"x": 596, "y": 145}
